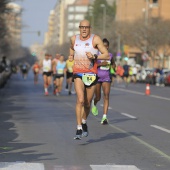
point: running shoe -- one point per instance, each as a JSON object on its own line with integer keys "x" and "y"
{"x": 104, "y": 121}
{"x": 78, "y": 134}
{"x": 85, "y": 130}
{"x": 94, "y": 110}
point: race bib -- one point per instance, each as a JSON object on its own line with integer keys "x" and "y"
{"x": 70, "y": 69}
{"x": 36, "y": 70}
{"x": 46, "y": 69}
{"x": 60, "y": 71}
{"x": 106, "y": 67}
{"x": 88, "y": 78}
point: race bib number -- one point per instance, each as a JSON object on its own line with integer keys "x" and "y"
{"x": 60, "y": 71}
{"x": 36, "y": 70}
{"x": 106, "y": 67}
{"x": 70, "y": 69}
{"x": 46, "y": 69}
{"x": 88, "y": 79}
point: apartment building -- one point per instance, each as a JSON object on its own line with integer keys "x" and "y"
{"x": 130, "y": 10}
{"x": 74, "y": 14}
{"x": 14, "y": 22}
{"x": 50, "y": 33}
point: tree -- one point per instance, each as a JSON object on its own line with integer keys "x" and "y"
{"x": 95, "y": 13}
{"x": 153, "y": 38}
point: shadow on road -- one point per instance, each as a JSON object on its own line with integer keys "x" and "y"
{"x": 112, "y": 136}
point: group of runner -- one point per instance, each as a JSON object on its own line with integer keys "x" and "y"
{"x": 53, "y": 71}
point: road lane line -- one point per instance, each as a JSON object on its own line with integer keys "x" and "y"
{"x": 139, "y": 93}
{"x": 113, "y": 167}
{"x": 128, "y": 115}
{"x": 161, "y": 128}
{"x": 21, "y": 166}
{"x": 110, "y": 108}
{"x": 147, "y": 145}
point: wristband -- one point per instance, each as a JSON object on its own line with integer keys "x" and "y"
{"x": 96, "y": 56}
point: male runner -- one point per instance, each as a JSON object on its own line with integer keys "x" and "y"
{"x": 85, "y": 48}
{"x": 46, "y": 65}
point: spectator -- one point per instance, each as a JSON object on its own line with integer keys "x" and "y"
{"x": 159, "y": 76}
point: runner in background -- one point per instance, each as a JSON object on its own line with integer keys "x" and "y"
{"x": 59, "y": 70}
{"x": 69, "y": 73}
{"x": 103, "y": 83}
{"x": 46, "y": 66}
{"x": 36, "y": 69}
{"x": 54, "y": 62}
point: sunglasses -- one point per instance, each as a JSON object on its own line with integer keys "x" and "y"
{"x": 84, "y": 27}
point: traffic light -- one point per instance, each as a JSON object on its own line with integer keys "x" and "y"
{"x": 39, "y": 33}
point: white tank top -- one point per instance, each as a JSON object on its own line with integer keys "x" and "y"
{"x": 81, "y": 63}
{"x": 46, "y": 65}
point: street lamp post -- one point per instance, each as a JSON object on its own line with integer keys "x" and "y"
{"x": 104, "y": 18}
{"x": 91, "y": 15}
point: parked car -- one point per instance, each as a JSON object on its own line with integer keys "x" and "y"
{"x": 167, "y": 79}
{"x": 142, "y": 74}
{"x": 151, "y": 76}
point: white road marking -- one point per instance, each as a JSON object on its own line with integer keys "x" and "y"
{"x": 113, "y": 167}
{"x": 128, "y": 115}
{"x": 110, "y": 108}
{"x": 161, "y": 128}
{"x": 21, "y": 166}
{"x": 143, "y": 94}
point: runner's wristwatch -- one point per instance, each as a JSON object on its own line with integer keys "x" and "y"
{"x": 96, "y": 56}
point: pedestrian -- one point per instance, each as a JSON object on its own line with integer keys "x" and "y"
{"x": 46, "y": 66}
{"x": 59, "y": 70}
{"x": 85, "y": 48}
{"x": 69, "y": 73}
{"x": 104, "y": 83}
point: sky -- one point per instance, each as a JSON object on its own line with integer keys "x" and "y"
{"x": 35, "y": 18}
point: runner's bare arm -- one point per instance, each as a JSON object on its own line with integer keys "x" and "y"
{"x": 72, "y": 41}
{"x": 98, "y": 43}
{"x": 54, "y": 68}
{"x": 113, "y": 63}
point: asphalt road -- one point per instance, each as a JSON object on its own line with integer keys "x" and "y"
{"x": 36, "y": 132}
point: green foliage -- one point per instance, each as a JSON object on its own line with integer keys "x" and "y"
{"x": 95, "y": 14}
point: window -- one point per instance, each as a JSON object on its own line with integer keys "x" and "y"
{"x": 71, "y": 9}
{"x": 155, "y": 1}
{"x": 70, "y": 25}
{"x": 77, "y": 25}
{"x": 70, "y": 17}
{"x": 70, "y": 33}
{"x": 79, "y": 17}
{"x": 81, "y": 8}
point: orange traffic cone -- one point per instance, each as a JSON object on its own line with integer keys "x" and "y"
{"x": 147, "y": 92}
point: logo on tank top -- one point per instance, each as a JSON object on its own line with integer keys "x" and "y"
{"x": 78, "y": 44}
{"x": 87, "y": 45}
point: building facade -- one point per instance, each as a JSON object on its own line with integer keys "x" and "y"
{"x": 130, "y": 10}
{"x": 74, "y": 14}
{"x": 14, "y": 23}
